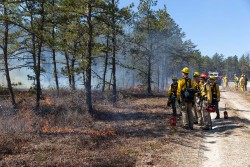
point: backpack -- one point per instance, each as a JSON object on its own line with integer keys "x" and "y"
{"x": 214, "y": 94}
{"x": 204, "y": 87}
{"x": 214, "y": 91}
{"x": 174, "y": 88}
{"x": 189, "y": 92}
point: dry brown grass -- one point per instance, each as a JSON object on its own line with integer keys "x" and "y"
{"x": 245, "y": 94}
{"x": 134, "y": 133}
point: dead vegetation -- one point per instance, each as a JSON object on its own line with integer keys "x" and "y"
{"x": 134, "y": 133}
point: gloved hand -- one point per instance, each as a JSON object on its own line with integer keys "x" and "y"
{"x": 169, "y": 103}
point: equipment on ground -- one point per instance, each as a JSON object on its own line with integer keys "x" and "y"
{"x": 173, "y": 121}
{"x": 211, "y": 108}
{"x": 225, "y": 113}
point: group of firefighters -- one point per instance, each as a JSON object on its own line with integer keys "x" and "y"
{"x": 238, "y": 82}
{"x": 242, "y": 82}
{"x": 193, "y": 97}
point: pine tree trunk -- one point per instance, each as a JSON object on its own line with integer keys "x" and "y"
{"x": 83, "y": 72}
{"x": 110, "y": 81}
{"x": 68, "y": 67}
{"x": 35, "y": 64}
{"x": 105, "y": 68}
{"x": 163, "y": 74}
{"x": 89, "y": 60}
{"x": 72, "y": 74}
{"x": 113, "y": 57}
{"x": 38, "y": 74}
{"x": 149, "y": 90}
{"x": 5, "y": 54}
{"x": 38, "y": 67}
{"x": 54, "y": 55}
{"x": 55, "y": 70}
{"x": 158, "y": 78}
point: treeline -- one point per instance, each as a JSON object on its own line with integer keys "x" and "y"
{"x": 82, "y": 40}
{"x": 227, "y": 66}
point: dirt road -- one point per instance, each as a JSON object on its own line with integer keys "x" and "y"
{"x": 228, "y": 144}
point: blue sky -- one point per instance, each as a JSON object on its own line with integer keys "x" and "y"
{"x": 215, "y": 26}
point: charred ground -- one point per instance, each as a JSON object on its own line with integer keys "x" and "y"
{"x": 136, "y": 132}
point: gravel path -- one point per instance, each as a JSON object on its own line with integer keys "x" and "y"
{"x": 228, "y": 144}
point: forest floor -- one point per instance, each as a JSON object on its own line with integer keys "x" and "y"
{"x": 136, "y": 132}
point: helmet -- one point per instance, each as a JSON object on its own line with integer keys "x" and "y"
{"x": 203, "y": 75}
{"x": 185, "y": 70}
{"x": 196, "y": 74}
{"x": 174, "y": 78}
{"x": 212, "y": 78}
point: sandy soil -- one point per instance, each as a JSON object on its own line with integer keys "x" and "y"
{"x": 228, "y": 143}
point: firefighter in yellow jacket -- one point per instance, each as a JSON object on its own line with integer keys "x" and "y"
{"x": 236, "y": 82}
{"x": 215, "y": 95}
{"x": 242, "y": 83}
{"x": 185, "y": 93}
{"x": 196, "y": 105}
{"x": 206, "y": 95}
{"x": 172, "y": 95}
{"x": 225, "y": 81}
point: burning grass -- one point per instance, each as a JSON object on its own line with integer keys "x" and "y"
{"x": 46, "y": 129}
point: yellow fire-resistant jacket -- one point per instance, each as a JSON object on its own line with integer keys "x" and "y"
{"x": 182, "y": 86}
{"x": 225, "y": 79}
{"x": 236, "y": 80}
{"x": 197, "y": 85}
{"x": 172, "y": 89}
{"x": 206, "y": 91}
{"x": 242, "y": 81}
{"x": 216, "y": 90}
{"x": 197, "y": 88}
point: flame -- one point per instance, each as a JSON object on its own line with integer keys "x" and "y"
{"x": 136, "y": 88}
{"x": 45, "y": 129}
{"x": 48, "y": 101}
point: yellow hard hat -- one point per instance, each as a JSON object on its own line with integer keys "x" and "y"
{"x": 196, "y": 74}
{"x": 185, "y": 70}
{"x": 212, "y": 78}
{"x": 174, "y": 78}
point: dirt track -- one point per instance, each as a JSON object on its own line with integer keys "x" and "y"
{"x": 228, "y": 143}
